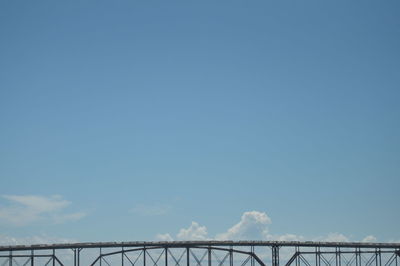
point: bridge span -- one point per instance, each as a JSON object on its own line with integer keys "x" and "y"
{"x": 204, "y": 253}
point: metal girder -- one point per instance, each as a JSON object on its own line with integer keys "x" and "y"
{"x": 209, "y": 253}
{"x": 202, "y": 243}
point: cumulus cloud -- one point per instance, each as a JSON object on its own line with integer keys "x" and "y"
{"x": 164, "y": 237}
{"x": 26, "y": 209}
{"x": 253, "y": 225}
{"x": 193, "y": 232}
{"x": 369, "y": 238}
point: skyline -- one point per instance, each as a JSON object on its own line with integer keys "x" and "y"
{"x": 138, "y": 120}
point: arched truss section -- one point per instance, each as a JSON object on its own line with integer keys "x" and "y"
{"x": 208, "y": 256}
{"x": 338, "y": 256}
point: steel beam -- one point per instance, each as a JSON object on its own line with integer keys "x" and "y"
{"x": 305, "y": 253}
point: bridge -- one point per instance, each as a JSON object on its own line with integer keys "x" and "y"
{"x": 204, "y": 253}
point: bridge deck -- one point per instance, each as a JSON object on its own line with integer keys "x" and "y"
{"x": 172, "y": 244}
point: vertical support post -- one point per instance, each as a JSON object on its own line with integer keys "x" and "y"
{"x": 74, "y": 256}
{"x": 317, "y": 256}
{"x": 166, "y": 256}
{"x": 54, "y": 257}
{"x": 101, "y": 257}
{"x": 32, "y": 257}
{"x": 231, "y": 257}
{"x": 297, "y": 257}
{"x": 187, "y": 257}
{"x": 10, "y": 259}
{"x": 209, "y": 256}
{"x": 356, "y": 254}
{"x": 144, "y": 256}
{"x": 252, "y": 258}
{"x": 380, "y": 258}
{"x": 79, "y": 256}
{"x": 338, "y": 258}
{"x": 122, "y": 256}
{"x": 358, "y": 258}
{"x": 275, "y": 255}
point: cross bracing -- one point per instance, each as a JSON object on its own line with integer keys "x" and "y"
{"x": 204, "y": 253}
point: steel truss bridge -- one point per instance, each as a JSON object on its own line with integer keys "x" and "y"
{"x": 204, "y": 253}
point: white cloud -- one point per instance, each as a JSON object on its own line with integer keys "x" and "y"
{"x": 334, "y": 237}
{"x": 151, "y": 210}
{"x": 69, "y": 217}
{"x": 164, "y": 237}
{"x": 26, "y": 209}
{"x": 42, "y": 239}
{"x": 39, "y": 203}
{"x": 286, "y": 237}
{"x": 369, "y": 238}
{"x": 194, "y": 232}
{"x": 253, "y": 225}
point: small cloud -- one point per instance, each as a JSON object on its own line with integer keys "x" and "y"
{"x": 39, "y": 203}
{"x": 33, "y": 240}
{"x": 70, "y": 217}
{"x": 164, "y": 237}
{"x": 334, "y": 237}
{"x": 253, "y": 225}
{"x": 151, "y": 210}
{"x": 26, "y": 209}
{"x": 194, "y": 232}
{"x": 369, "y": 238}
{"x": 286, "y": 237}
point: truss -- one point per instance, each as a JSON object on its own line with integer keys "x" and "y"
{"x": 204, "y": 253}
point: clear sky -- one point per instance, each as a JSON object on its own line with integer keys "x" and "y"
{"x": 122, "y": 120}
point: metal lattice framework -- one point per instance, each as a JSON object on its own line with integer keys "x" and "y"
{"x": 204, "y": 253}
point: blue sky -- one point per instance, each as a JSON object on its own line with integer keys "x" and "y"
{"x": 123, "y": 120}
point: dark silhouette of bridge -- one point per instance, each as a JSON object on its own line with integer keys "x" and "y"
{"x": 204, "y": 253}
